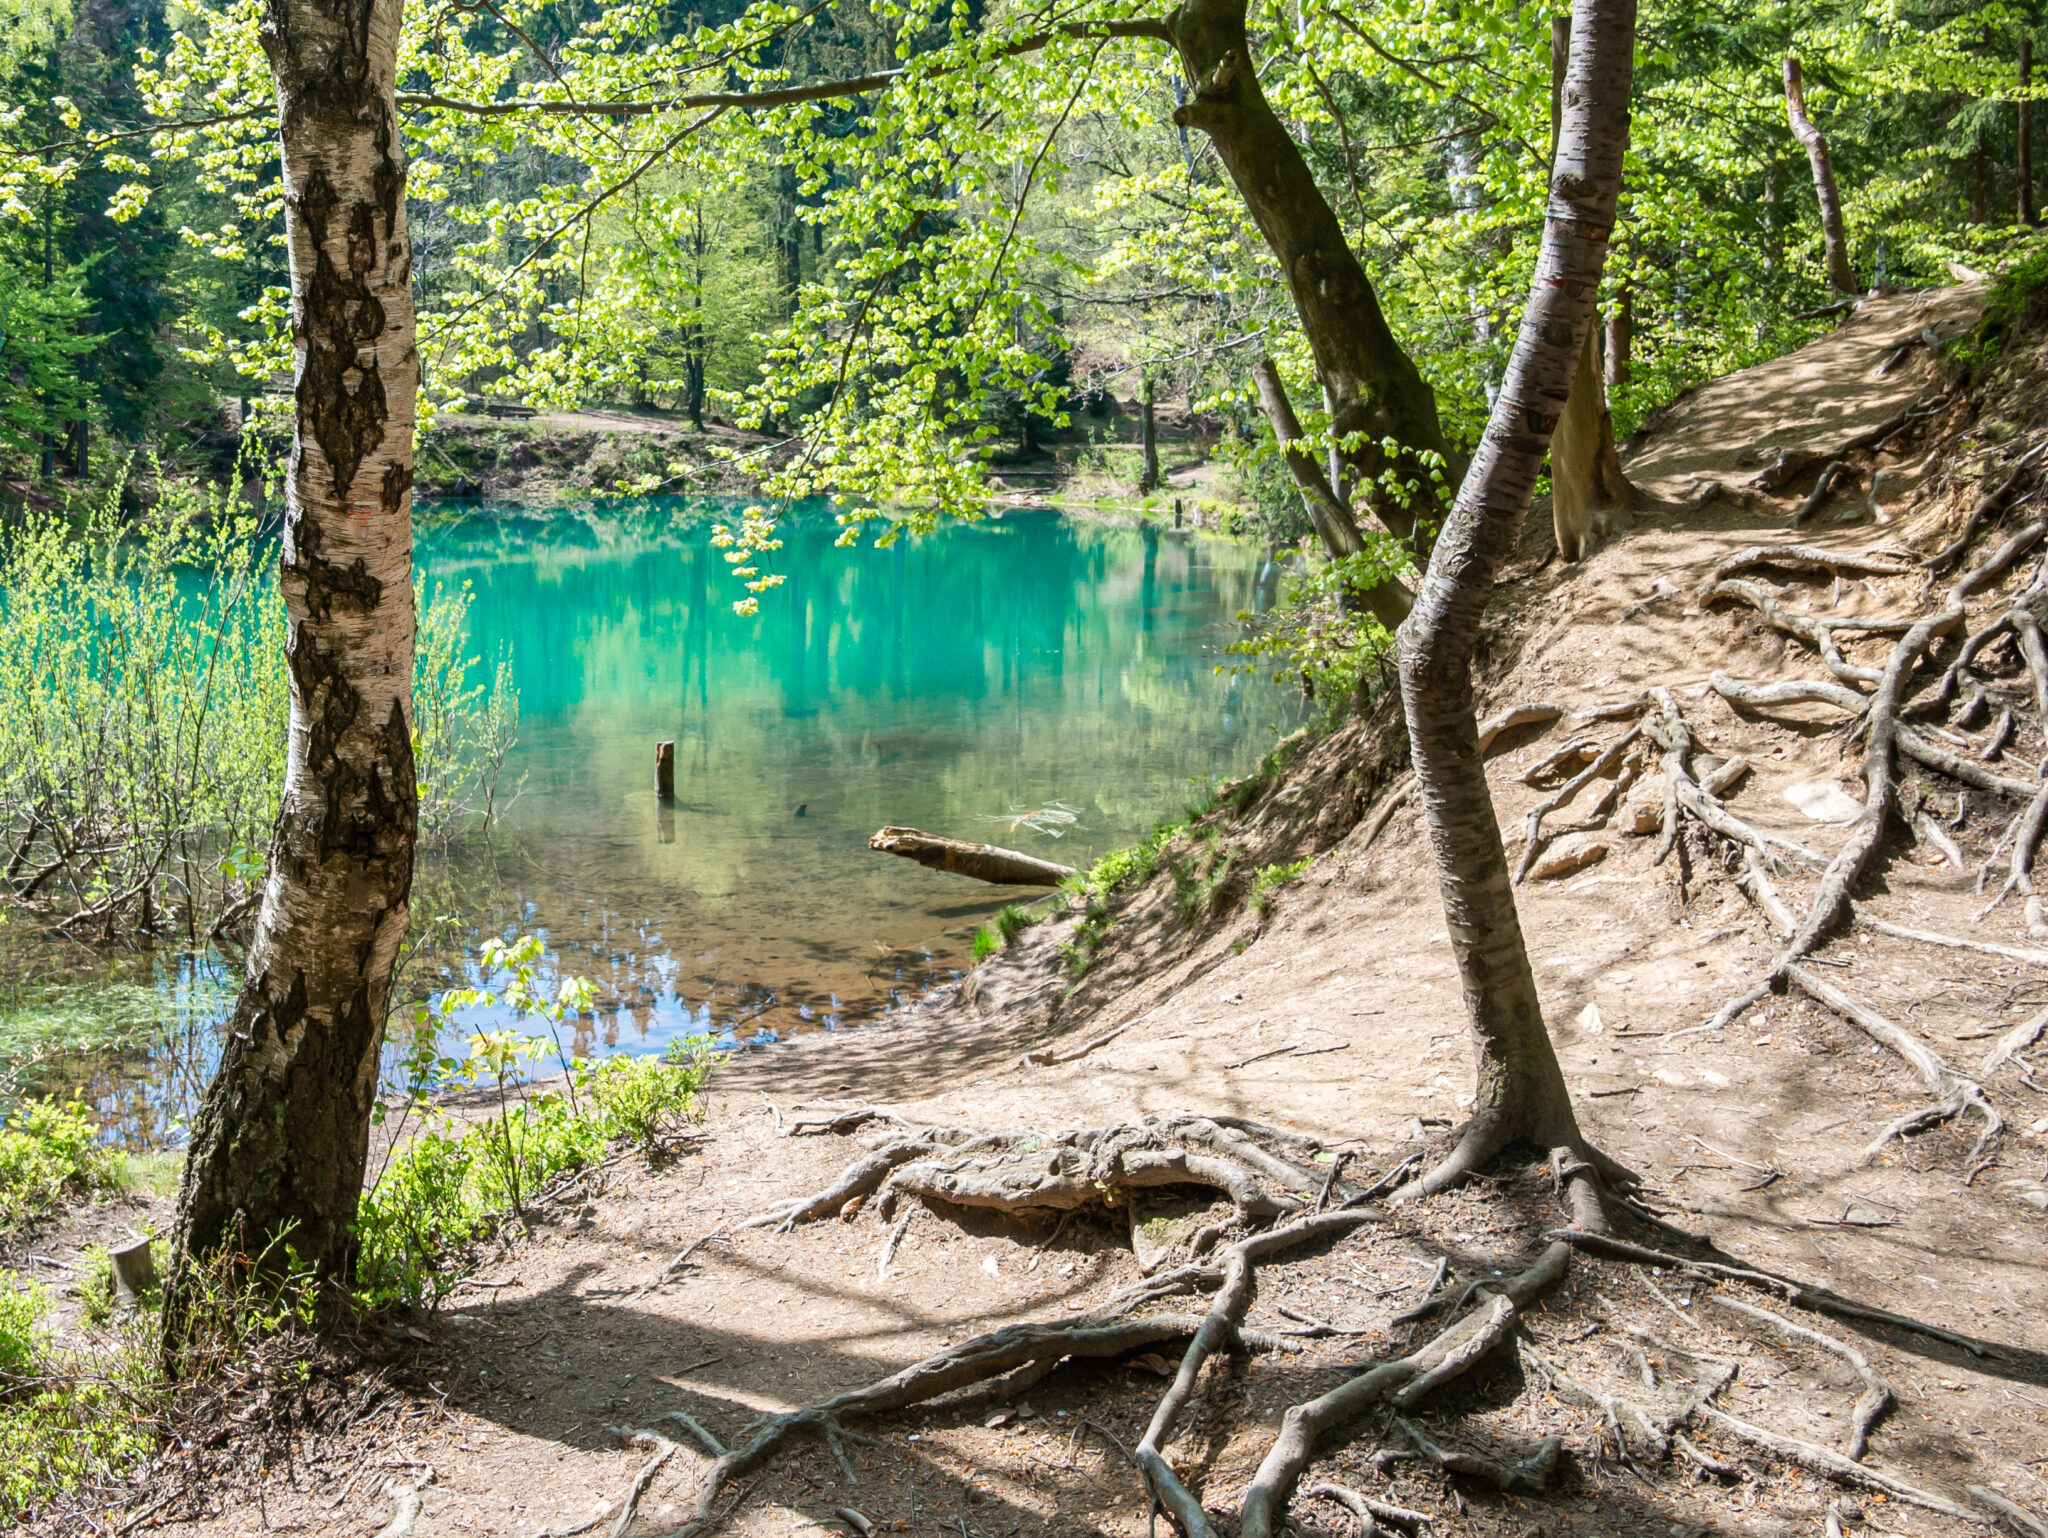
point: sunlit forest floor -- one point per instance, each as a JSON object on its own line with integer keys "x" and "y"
{"x": 1333, "y": 1012}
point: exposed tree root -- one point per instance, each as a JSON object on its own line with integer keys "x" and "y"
{"x": 628, "y": 1505}
{"x": 1989, "y": 505}
{"x": 1819, "y": 494}
{"x": 1886, "y": 740}
{"x": 1825, "y": 1460}
{"x": 2020, "y": 1520}
{"x": 1401, "y": 795}
{"x": 1369, "y": 1512}
{"x": 1817, "y": 1299}
{"x": 405, "y": 1508}
{"x": 1875, "y": 563}
{"x": 1524, "y": 713}
{"x": 1606, "y": 763}
{"x": 1264, "y": 1172}
{"x": 1876, "y": 1397}
{"x": 2014, "y": 1042}
{"x": 1952, "y": 942}
{"x": 1530, "y": 1476}
{"x": 1953, "y": 1093}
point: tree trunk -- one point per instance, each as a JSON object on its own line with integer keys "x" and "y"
{"x": 1586, "y": 483}
{"x": 1621, "y": 336}
{"x": 1841, "y": 276}
{"x": 1148, "y": 435}
{"x": 2028, "y": 213}
{"x": 1373, "y": 386}
{"x": 984, "y": 862}
{"x": 789, "y": 238}
{"x": 1980, "y": 180}
{"x": 1387, "y": 601}
{"x": 279, "y": 1145}
{"x": 1521, "y": 1089}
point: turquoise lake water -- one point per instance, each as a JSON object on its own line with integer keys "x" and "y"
{"x": 957, "y": 682}
{"x": 954, "y": 682}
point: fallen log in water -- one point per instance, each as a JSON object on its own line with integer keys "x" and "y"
{"x": 984, "y": 862}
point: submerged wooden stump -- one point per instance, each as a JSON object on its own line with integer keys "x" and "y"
{"x": 984, "y": 862}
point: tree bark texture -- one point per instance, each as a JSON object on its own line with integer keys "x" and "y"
{"x": 1373, "y": 386}
{"x": 282, "y": 1135}
{"x": 1521, "y": 1090}
{"x": 1586, "y": 481}
{"x": 1388, "y": 601}
{"x": 1841, "y": 276}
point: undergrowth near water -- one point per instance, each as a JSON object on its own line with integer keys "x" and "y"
{"x": 1271, "y": 878}
{"x": 1317, "y": 637}
{"x": 1010, "y": 920}
{"x": 453, "y": 1184}
{"x": 50, "y": 1155}
{"x": 144, "y": 706}
{"x": 68, "y": 1418}
{"x": 77, "y": 1416}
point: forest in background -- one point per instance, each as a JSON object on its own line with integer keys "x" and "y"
{"x": 950, "y": 263}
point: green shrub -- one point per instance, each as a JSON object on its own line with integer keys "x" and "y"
{"x": 24, "y": 1339}
{"x": 1011, "y": 920}
{"x": 49, "y": 1154}
{"x": 1107, "y": 877}
{"x": 63, "y": 1422}
{"x": 1271, "y": 877}
{"x": 646, "y": 1100}
{"x": 2016, "y": 307}
{"x": 144, "y": 708}
{"x": 1198, "y": 882}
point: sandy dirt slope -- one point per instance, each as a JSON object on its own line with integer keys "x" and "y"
{"x": 1337, "y": 1014}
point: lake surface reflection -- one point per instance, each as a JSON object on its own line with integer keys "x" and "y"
{"x": 955, "y": 682}
{"x": 958, "y": 682}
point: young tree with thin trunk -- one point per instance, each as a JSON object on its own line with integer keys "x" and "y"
{"x": 1387, "y": 600}
{"x": 1587, "y": 486}
{"x": 1148, "y": 435}
{"x": 279, "y": 1147}
{"x": 1841, "y": 276}
{"x": 2025, "y": 157}
{"x": 1374, "y": 390}
{"x": 1521, "y": 1089}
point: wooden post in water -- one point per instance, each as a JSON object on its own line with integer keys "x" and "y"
{"x": 665, "y": 770}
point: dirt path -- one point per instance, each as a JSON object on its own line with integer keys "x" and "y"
{"x": 1337, "y": 1014}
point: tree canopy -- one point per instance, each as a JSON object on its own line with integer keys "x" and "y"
{"x": 895, "y": 232}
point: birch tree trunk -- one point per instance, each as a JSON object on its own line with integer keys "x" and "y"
{"x": 1841, "y": 276}
{"x": 282, "y": 1136}
{"x": 1521, "y": 1089}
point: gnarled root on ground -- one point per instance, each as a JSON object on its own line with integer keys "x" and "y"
{"x": 1879, "y": 714}
{"x": 1264, "y": 1172}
